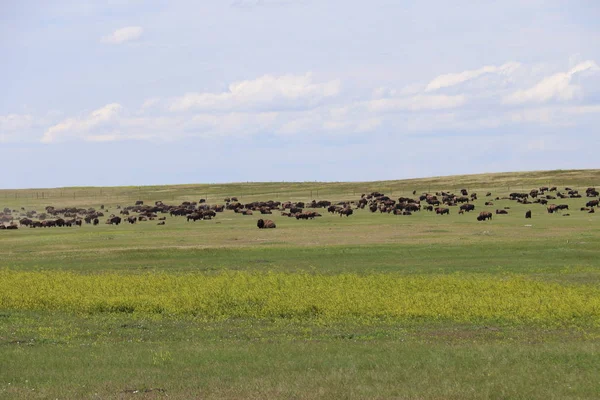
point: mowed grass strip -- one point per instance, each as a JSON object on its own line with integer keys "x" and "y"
{"x": 509, "y": 299}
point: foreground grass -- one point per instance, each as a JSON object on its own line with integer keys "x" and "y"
{"x": 58, "y": 355}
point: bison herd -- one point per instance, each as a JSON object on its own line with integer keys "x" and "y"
{"x": 440, "y": 202}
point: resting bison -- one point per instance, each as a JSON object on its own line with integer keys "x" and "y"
{"x": 528, "y": 214}
{"x": 265, "y": 224}
{"x": 501, "y": 212}
{"x": 484, "y": 215}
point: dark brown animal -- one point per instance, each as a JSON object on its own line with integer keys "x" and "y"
{"x": 484, "y": 215}
{"x": 265, "y": 224}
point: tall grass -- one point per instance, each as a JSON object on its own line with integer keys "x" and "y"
{"x": 510, "y": 299}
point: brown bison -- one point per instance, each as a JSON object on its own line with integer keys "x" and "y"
{"x": 265, "y": 224}
{"x": 501, "y": 212}
{"x": 484, "y": 215}
{"x": 467, "y": 207}
{"x": 528, "y": 214}
{"x": 114, "y": 221}
{"x": 442, "y": 211}
{"x": 346, "y": 211}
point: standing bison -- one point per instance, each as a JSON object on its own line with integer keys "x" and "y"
{"x": 346, "y": 211}
{"x": 528, "y": 214}
{"x": 114, "y": 221}
{"x": 467, "y": 207}
{"x": 265, "y": 224}
{"x": 484, "y": 215}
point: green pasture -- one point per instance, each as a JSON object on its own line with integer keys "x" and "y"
{"x": 367, "y": 306}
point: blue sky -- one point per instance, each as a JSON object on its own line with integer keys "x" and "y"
{"x": 155, "y": 92}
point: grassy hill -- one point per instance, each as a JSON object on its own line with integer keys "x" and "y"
{"x": 251, "y": 191}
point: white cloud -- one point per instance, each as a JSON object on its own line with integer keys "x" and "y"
{"x": 299, "y": 105}
{"x": 416, "y": 103}
{"x": 151, "y": 102}
{"x": 123, "y": 35}
{"x": 266, "y": 92}
{"x": 14, "y": 126}
{"x": 85, "y": 126}
{"x": 554, "y": 87}
{"x": 15, "y": 122}
{"x": 453, "y": 79}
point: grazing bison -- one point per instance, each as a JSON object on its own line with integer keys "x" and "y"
{"x": 592, "y": 203}
{"x": 96, "y": 221}
{"x": 265, "y": 224}
{"x": 467, "y": 207}
{"x": 139, "y": 203}
{"x": 346, "y": 211}
{"x": 114, "y": 221}
{"x": 25, "y": 221}
{"x": 442, "y": 211}
{"x": 528, "y": 214}
{"x": 194, "y": 217}
{"x": 484, "y": 215}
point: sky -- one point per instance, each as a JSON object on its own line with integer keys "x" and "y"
{"x": 117, "y": 92}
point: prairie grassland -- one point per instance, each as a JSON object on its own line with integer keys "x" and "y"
{"x": 370, "y": 306}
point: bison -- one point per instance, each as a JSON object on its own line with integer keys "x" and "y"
{"x": 346, "y": 211}
{"x": 265, "y": 224}
{"x": 484, "y": 215}
{"x": 467, "y": 207}
{"x": 114, "y": 221}
{"x": 528, "y": 214}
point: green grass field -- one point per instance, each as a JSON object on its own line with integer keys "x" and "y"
{"x": 370, "y": 306}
